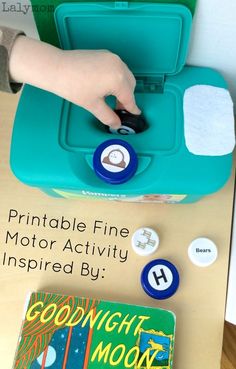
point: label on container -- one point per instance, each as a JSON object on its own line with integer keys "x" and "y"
{"x": 149, "y": 198}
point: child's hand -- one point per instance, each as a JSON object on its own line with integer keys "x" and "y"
{"x": 92, "y": 75}
{"x": 82, "y": 77}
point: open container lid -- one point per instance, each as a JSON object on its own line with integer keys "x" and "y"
{"x": 152, "y": 39}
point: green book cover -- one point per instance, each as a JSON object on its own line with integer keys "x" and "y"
{"x": 67, "y": 332}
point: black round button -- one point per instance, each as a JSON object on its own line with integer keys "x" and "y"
{"x": 130, "y": 123}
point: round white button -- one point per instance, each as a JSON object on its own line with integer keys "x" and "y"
{"x": 165, "y": 277}
{"x": 123, "y": 130}
{"x": 115, "y": 158}
{"x": 145, "y": 241}
{"x": 202, "y": 252}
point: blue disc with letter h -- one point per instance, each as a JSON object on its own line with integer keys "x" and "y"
{"x": 160, "y": 279}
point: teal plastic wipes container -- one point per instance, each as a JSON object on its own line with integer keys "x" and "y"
{"x": 181, "y": 156}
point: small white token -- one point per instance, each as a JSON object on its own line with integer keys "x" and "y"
{"x": 202, "y": 252}
{"x": 145, "y": 241}
{"x": 122, "y": 130}
{"x": 115, "y": 158}
{"x": 160, "y": 277}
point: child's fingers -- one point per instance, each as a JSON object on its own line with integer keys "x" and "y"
{"x": 105, "y": 114}
{"x": 126, "y": 101}
{"x": 119, "y": 106}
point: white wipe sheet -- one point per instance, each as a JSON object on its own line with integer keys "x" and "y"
{"x": 208, "y": 120}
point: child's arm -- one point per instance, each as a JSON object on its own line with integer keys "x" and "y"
{"x": 82, "y": 77}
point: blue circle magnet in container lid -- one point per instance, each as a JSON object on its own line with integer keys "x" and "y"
{"x": 160, "y": 279}
{"x": 115, "y": 161}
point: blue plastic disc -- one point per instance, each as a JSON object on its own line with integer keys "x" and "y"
{"x": 160, "y": 279}
{"x": 115, "y": 161}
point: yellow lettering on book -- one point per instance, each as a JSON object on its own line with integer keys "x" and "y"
{"x": 149, "y": 360}
{"x": 113, "y": 361}
{"x": 53, "y": 308}
{"x": 127, "y": 323}
{"x": 142, "y": 318}
{"x": 78, "y": 312}
{"x": 134, "y": 351}
{"x": 115, "y": 355}
{"x": 65, "y": 315}
{"x": 101, "y": 352}
{"x": 92, "y": 319}
{"x": 108, "y": 327}
{"x": 66, "y": 308}
{"x": 103, "y": 319}
{"x": 29, "y": 315}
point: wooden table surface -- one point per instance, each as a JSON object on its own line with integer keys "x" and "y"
{"x": 228, "y": 360}
{"x": 199, "y": 303}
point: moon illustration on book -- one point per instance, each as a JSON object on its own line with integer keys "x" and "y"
{"x": 50, "y": 359}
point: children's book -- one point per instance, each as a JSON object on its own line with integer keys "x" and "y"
{"x": 67, "y": 332}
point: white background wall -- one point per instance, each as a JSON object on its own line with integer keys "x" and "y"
{"x": 213, "y": 38}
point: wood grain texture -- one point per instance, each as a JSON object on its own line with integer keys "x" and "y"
{"x": 228, "y": 360}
